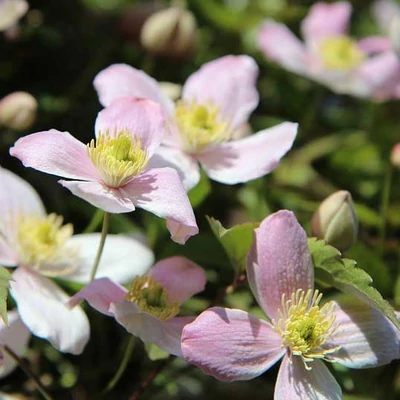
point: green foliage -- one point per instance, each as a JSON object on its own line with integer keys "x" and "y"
{"x": 5, "y": 278}
{"x": 343, "y": 274}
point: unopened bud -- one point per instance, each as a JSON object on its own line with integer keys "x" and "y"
{"x": 171, "y": 90}
{"x": 395, "y": 156}
{"x": 335, "y": 221}
{"x": 10, "y": 12}
{"x": 170, "y": 32}
{"x": 18, "y": 111}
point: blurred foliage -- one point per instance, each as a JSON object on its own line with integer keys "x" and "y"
{"x": 343, "y": 143}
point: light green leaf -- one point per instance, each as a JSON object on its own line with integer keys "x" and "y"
{"x": 154, "y": 352}
{"x": 5, "y": 278}
{"x": 235, "y": 241}
{"x": 343, "y": 274}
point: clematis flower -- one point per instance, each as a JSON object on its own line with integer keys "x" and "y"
{"x": 113, "y": 172}
{"x": 231, "y": 344}
{"x": 40, "y": 246}
{"x": 148, "y": 309}
{"x": 216, "y": 102}
{"x": 10, "y": 12}
{"x": 328, "y": 55}
{"x": 16, "y": 337}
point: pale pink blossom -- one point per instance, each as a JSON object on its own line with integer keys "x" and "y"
{"x": 216, "y": 102}
{"x": 231, "y": 344}
{"x": 41, "y": 247}
{"x": 148, "y": 309}
{"x": 10, "y": 13}
{"x": 16, "y": 337}
{"x": 329, "y": 56}
{"x": 114, "y": 171}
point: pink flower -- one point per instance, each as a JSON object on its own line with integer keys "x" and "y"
{"x": 112, "y": 172}
{"x": 16, "y": 337}
{"x": 148, "y": 309}
{"x": 328, "y": 55}
{"x": 216, "y": 102}
{"x": 233, "y": 345}
{"x": 41, "y": 247}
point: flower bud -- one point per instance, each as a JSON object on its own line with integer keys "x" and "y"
{"x": 171, "y": 90}
{"x": 18, "y": 111}
{"x": 395, "y": 156}
{"x": 335, "y": 221}
{"x": 170, "y": 32}
{"x": 10, "y": 12}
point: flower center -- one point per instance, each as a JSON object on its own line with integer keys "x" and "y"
{"x": 340, "y": 53}
{"x": 152, "y": 298}
{"x": 304, "y": 326}
{"x": 200, "y": 125}
{"x": 119, "y": 157}
{"x": 42, "y": 244}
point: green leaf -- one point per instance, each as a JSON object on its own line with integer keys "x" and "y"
{"x": 155, "y": 353}
{"x": 5, "y": 278}
{"x": 345, "y": 276}
{"x": 235, "y": 241}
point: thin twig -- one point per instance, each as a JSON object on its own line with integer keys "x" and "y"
{"x": 104, "y": 231}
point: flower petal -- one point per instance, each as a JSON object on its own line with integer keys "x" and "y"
{"x": 295, "y": 382}
{"x": 161, "y": 192}
{"x": 16, "y": 337}
{"x": 279, "y": 261}
{"x": 56, "y": 153}
{"x": 8, "y": 256}
{"x": 181, "y": 277}
{"x": 121, "y": 80}
{"x": 186, "y": 166}
{"x": 374, "y": 44}
{"x": 123, "y": 257}
{"x": 41, "y": 304}
{"x": 165, "y": 334}
{"x": 100, "y": 294}
{"x": 235, "y": 92}
{"x": 326, "y": 19}
{"x": 279, "y": 44}
{"x": 231, "y": 344}
{"x": 142, "y": 118}
{"x": 384, "y": 12}
{"x": 249, "y": 158}
{"x": 366, "y": 338}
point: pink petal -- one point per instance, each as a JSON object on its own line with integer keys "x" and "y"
{"x": 121, "y": 80}
{"x": 249, "y": 158}
{"x": 41, "y": 304}
{"x": 161, "y": 192}
{"x": 112, "y": 200}
{"x": 279, "y": 261}
{"x": 165, "y": 334}
{"x": 123, "y": 257}
{"x": 231, "y": 344}
{"x": 295, "y": 382}
{"x": 228, "y": 82}
{"x": 8, "y": 256}
{"x": 326, "y": 19}
{"x": 279, "y": 44}
{"x": 186, "y": 166}
{"x": 142, "y": 118}
{"x": 100, "y": 294}
{"x": 181, "y": 277}
{"x": 16, "y": 337}
{"x": 56, "y": 153}
{"x": 366, "y": 337}
{"x": 374, "y": 44}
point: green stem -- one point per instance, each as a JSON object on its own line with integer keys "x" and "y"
{"x": 104, "y": 231}
{"x": 122, "y": 367}
{"x": 22, "y": 364}
{"x": 95, "y": 221}
{"x": 384, "y": 206}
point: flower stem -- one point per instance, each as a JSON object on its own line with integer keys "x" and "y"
{"x": 122, "y": 367}
{"x": 22, "y": 364}
{"x": 104, "y": 231}
{"x": 387, "y": 183}
{"x": 95, "y": 221}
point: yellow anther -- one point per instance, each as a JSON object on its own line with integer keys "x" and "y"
{"x": 340, "y": 53}
{"x": 152, "y": 298}
{"x": 200, "y": 125}
{"x": 118, "y": 157}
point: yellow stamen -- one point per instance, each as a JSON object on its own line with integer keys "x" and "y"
{"x": 42, "y": 244}
{"x": 152, "y": 298}
{"x": 305, "y": 326}
{"x": 200, "y": 125}
{"x": 118, "y": 157}
{"x": 340, "y": 53}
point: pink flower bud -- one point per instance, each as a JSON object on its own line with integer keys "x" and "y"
{"x": 395, "y": 156}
